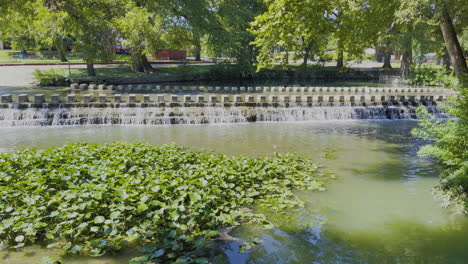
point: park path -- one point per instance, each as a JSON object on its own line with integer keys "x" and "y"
{"x": 22, "y": 76}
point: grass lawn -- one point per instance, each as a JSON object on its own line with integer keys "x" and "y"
{"x": 12, "y": 57}
{"x": 126, "y": 71}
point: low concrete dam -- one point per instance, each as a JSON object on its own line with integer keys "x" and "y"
{"x": 273, "y": 104}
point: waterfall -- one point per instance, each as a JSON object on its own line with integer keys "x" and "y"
{"x": 122, "y": 115}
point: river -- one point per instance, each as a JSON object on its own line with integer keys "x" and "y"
{"x": 379, "y": 209}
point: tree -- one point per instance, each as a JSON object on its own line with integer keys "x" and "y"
{"x": 51, "y": 26}
{"x": 352, "y": 31}
{"x": 291, "y": 25}
{"x": 16, "y": 24}
{"x": 91, "y": 27}
{"x": 190, "y": 20}
{"x": 142, "y": 31}
{"x": 229, "y": 33}
{"x": 35, "y": 23}
{"x": 447, "y": 14}
{"x": 450, "y": 37}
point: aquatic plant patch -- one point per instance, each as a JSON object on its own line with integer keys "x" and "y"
{"x": 93, "y": 199}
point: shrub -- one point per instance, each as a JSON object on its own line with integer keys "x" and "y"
{"x": 224, "y": 69}
{"x": 450, "y": 147}
{"x": 91, "y": 199}
{"x": 424, "y": 75}
{"x": 50, "y": 77}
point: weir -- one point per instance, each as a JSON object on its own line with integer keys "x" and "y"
{"x": 209, "y": 114}
{"x": 215, "y": 105}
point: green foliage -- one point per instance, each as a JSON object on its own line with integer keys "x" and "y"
{"x": 141, "y": 30}
{"x": 425, "y": 75}
{"x": 329, "y": 154}
{"x": 92, "y": 199}
{"x": 450, "y": 146}
{"x": 283, "y": 27}
{"x": 231, "y": 36}
{"x": 306, "y": 28}
{"x": 221, "y": 70}
{"x": 50, "y": 77}
{"x": 47, "y": 260}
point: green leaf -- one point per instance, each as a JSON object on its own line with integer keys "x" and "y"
{"x": 201, "y": 261}
{"x": 142, "y": 207}
{"x": 19, "y": 238}
{"x": 211, "y": 233}
{"x": 99, "y": 219}
{"x": 76, "y": 249}
{"x": 158, "y": 253}
{"x": 194, "y": 197}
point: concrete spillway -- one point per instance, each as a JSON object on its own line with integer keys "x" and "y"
{"x": 216, "y": 105}
{"x": 209, "y": 114}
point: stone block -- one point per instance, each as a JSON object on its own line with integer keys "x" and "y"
{"x": 74, "y": 86}
{"x": 132, "y": 98}
{"x": 55, "y": 99}
{"x": 117, "y": 98}
{"x": 6, "y": 98}
{"x": 39, "y": 99}
{"x": 102, "y": 98}
{"x": 87, "y": 98}
{"x": 23, "y": 98}
{"x": 83, "y": 86}
{"x": 71, "y": 98}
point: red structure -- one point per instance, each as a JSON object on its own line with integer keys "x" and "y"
{"x": 171, "y": 55}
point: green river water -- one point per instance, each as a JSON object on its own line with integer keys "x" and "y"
{"x": 380, "y": 209}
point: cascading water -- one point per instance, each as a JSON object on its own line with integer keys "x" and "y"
{"x": 122, "y": 115}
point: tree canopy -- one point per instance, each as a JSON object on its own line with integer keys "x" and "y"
{"x": 253, "y": 33}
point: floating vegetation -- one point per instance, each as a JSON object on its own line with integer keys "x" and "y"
{"x": 95, "y": 199}
{"x": 329, "y": 154}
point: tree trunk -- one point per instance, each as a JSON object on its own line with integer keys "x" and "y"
{"x": 198, "y": 53}
{"x": 340, "y": 60}
{"x": 306, "y": 57}
{"x": 378, "y": 55}
{"x": 387, "y": 59}
{"x": 60, "y": 47}
{"x": 61, "y": 54}
{"x": 406, "y": 62}
{"x": 446, "y": 60}
{"x": 451, "y": 43}
{"x": 90, "y": 69}
{"x": 407, "y": 59}
{"x": 140, "y": 63}
{"x": 197, "y": 44}
{"x": 137, "y": 64}
{"x": 146, "y": 64}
